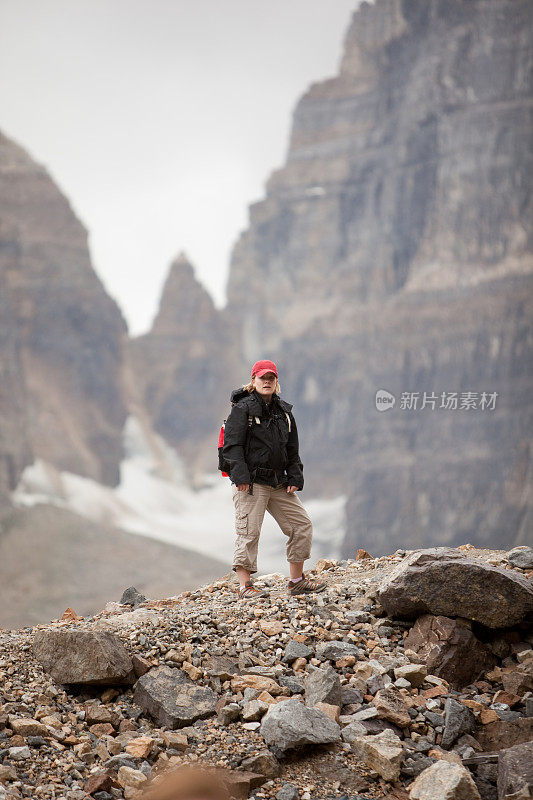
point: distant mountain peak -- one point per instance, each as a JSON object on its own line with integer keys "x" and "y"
{"x": 182, "y": 262}
{"x": 61, "y": 334}
{"x": 184, "y": 299}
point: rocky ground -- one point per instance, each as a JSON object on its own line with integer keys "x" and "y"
{"x": 411, "y": 676}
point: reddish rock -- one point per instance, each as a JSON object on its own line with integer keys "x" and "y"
{"x": 70, "y": 614}
{"x": 483, "y": 686}
{"x": 100, "y": 782}
{"x": 506, "y": 697}
{"x": 434, "y": 691}
{"x": 102, "y": 729}
{"x": 449, "y": 649}
{"x": 517, "y": 682}
{"x": 331, "y": 711}
{"x": 391, "y": 706}
{"x": 96, "y": 712}
{"x": 259, "y": 682}
{"x": 140, "y": 747}
{"x": 264, "y": 763}
{"x": 175, "y": 740}
{"x": 140, "y": 665}
{"x": 501, "y": 734}
{"x": 127, "y": 725}
{"x": 239, "y": 783}
{"x": 488, "y": 715}
{"x": 271, "y": 627}
{"x": 28, "y": 727}
{"x": 515, "y": 771}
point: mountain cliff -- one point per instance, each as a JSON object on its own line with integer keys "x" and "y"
{"x": 64, "y": 389}
{"x": 393, "y": 251}
{"x": 15, "y": 451}
{"x": 61, "y": 335}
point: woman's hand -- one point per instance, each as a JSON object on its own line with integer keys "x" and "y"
{"x": 291, "y": 489}
{"x": 243, "y": 487}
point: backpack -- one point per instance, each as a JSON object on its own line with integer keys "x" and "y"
{"x": 223, "y": 465}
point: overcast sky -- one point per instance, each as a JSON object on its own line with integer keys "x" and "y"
{"x": 161, "y": 119}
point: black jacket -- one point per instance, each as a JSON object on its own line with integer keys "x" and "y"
{"x": 271, "y": 454}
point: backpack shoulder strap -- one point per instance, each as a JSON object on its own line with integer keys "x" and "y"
{"x": 288, "y": 420}
{"x": 250, "y": 421}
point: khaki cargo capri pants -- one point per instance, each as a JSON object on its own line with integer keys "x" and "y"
{"x": 288, "y": 511}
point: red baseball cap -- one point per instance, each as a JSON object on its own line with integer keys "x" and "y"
{"x": 261, "y": 367}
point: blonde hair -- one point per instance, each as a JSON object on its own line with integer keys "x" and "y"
{"x": 249, "y": 387}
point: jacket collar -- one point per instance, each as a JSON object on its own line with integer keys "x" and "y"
{"x": 259, "y": 403}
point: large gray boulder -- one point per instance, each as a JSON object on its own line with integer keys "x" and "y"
{"x": 295, "y": 650}
{"x": 291, "y": 725}
{"x": 458, "y": 719}
{"x": 172, "y": 698}
{"x": 336, "y": 649}
{"x": 132, "y": 597}
{"x": 78, "y": 657}
{"x": 444, "y": 581}
{"x": 521, "y": 557}
{"x": 323, "y": 686}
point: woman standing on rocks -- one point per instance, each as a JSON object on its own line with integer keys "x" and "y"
{"x": 261, "y": 455}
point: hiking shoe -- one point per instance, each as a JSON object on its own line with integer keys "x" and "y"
{"x": 249, "y": 592}
{"x": 305, "y": 586}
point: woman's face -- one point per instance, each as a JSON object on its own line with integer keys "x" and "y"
{"x": 266, "y": 384}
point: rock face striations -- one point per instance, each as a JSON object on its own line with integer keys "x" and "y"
{"x": 15, "y": 451}
{"x": 393, "y": 251}
{"x": 61, "y": 335}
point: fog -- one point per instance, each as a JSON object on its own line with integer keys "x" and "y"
{"x": 161, "y": 119}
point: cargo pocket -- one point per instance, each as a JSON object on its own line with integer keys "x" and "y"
{"x": 241, "y": 522}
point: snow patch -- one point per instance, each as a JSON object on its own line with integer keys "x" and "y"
{"x": 154, "y": 499}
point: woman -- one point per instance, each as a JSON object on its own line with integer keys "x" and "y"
{"x": 261, "y": 452}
